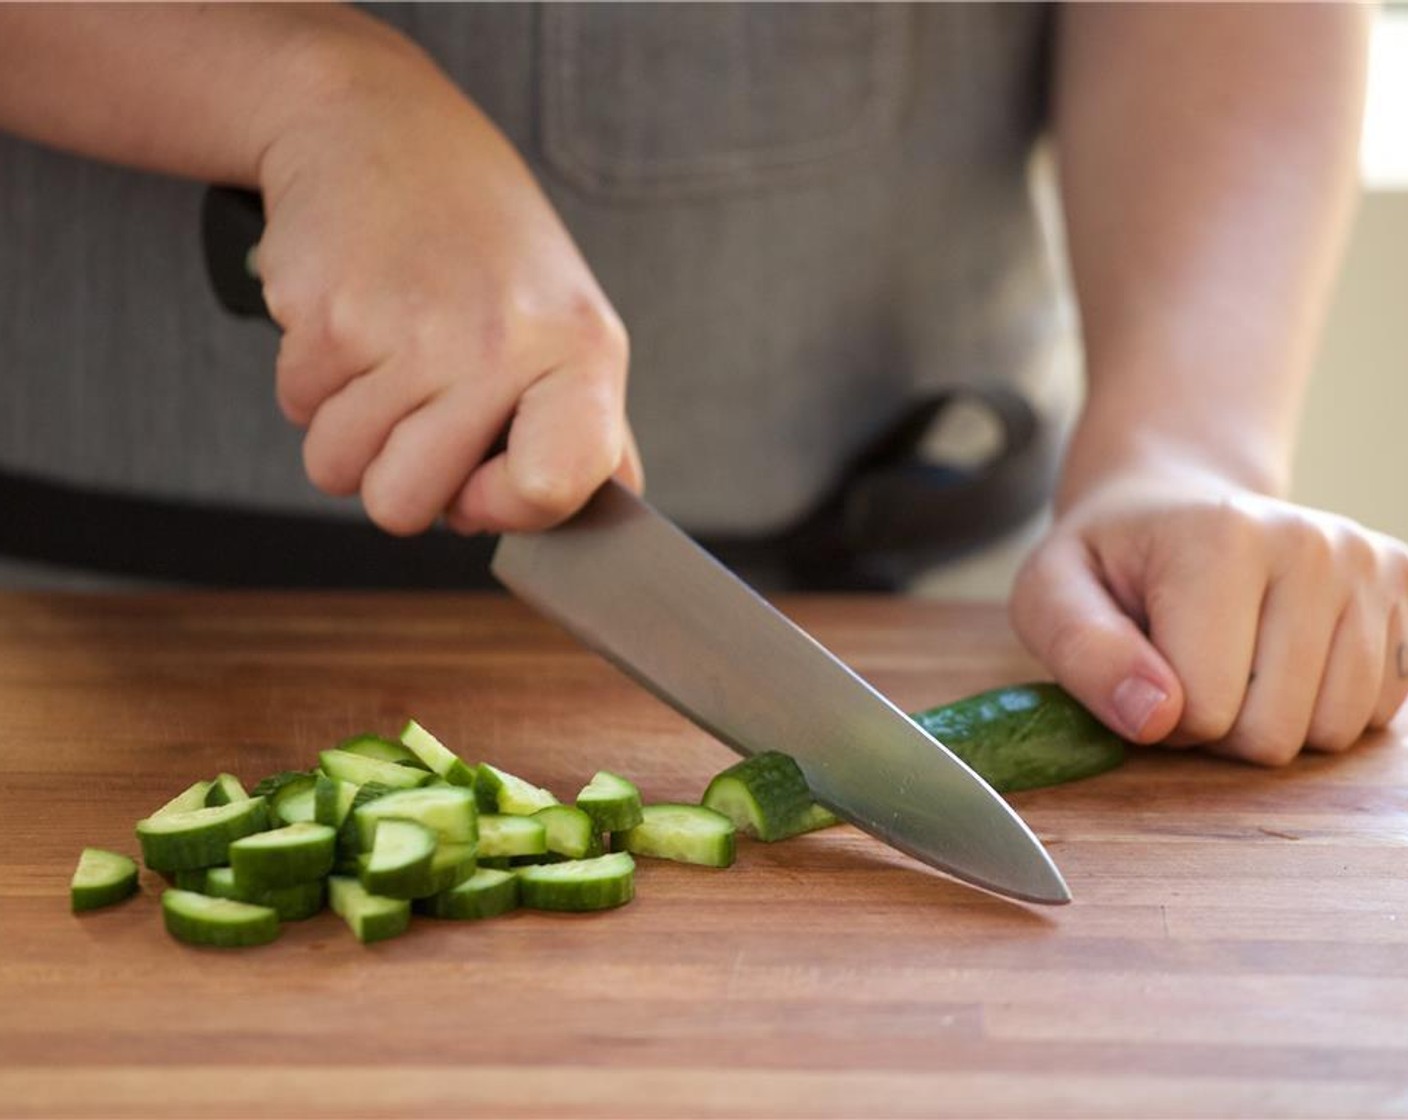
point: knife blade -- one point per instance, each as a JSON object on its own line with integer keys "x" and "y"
{"x": 635, "y": 588}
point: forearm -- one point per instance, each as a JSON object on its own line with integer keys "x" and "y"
{"x": 182, "y": 89}
{"x": 1207, "y": 162}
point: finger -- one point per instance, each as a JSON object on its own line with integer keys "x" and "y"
{"x": 316, "y": 360}
{"x": 426, "y": 460}
{"x": 1067, "y": 618}
{"x": 350, "y": 428}
{"x": 1394, "y": 689}
{"x": 1207, "y": 628}
{"x": 566, "y": 438}
{"x": 1350, "y": 687}
{"x": 630, "y": 472}
{"x": 1298, "y": 621}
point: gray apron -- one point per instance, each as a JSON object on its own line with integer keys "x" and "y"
{"x": 813, "y": 219}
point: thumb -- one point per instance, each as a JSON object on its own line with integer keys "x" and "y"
{"x": 1067, "y": 618}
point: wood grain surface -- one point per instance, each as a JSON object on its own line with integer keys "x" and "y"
{"x": 1238, "y": 943}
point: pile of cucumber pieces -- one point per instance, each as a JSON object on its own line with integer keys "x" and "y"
{"x": 383, "y": 828}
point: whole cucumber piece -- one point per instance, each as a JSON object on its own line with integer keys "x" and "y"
{"x": 1024, "y": 736}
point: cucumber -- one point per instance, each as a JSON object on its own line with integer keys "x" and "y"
{"x": 190, "y": 879}
{"x": 101, "y": 878}
{"x": 382, "y": 749}
{"x": 283, "y": 857}
{"x": 199, "y": 837}
{"x": 448, "y": 811}
{"x": 503, "y": 835}
{"x": 224, "y": 789}
{"x": 400, "y": 862}
{"x": 1025, "y": 736}
{"x": 359, "y": 770}
{"x": 293, "y": 903}
{"x": 332, "y": 800}
{"x": 192, "y": 797}
{"x": 766, "y": 796}
{"x": 349, "y": 843}
{"x": 578, "y": 884}
{"x": 569, "y": 832}
{"x": 436, "y": 756}
{"x": 499, "y": 791}
{"x": 220, "y": 922}
{"x": 683, "y": 833}
{"x": 371, "y": 917}
{"x": 485, "y": 894}
{"x": 451, "y": 866}
{"x": 611, "y": 801}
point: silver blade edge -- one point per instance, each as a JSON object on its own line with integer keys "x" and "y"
{"x": 614, "y": 573}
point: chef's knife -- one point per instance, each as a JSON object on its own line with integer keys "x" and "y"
{"x": 632, "y": 586}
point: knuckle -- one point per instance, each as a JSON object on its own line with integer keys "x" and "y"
{"x": 1333, "y": 735}
{"x": 326, "y": 472}
{"x": 550, "y": 495}
{"x": 1266, "y": 743}
{"x": 1207, "y": 722}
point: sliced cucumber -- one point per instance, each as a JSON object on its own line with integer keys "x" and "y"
{"x": 348, "y": 841}
{"x": 1025, "y": 736}
{"x": 503, "y": 835}
{"x": 199, "y": 837}
{"x": 371, "y": 917}
{"x": 452, "y": 865}
{"x": 435, "y": 755}
{"x": 501, "y": 792}
{"x": 225, "y": 789}
{"x": 220, "y": 922}
{"x": 569, "y": 832}
{"x": 611, "y": 801}
{"x": 766, "y": 796}
{"x": 485, "y": 894}
{"x": 192, "y": 797}
{"x": 189, "y": 878}
{"x": 332, "y": 800}
{"x": 684, "y": 833}
{"x": 101, "y": 878}
{"x": 578, "y": 884}
{"x": 401, "y": 862}
{"x": 448, "y": 811}
{"x": 359, "y": 770}
{"x": 293, "y": 903}
{"x": 382, "y": 749}
{"x": 293, "y": 854}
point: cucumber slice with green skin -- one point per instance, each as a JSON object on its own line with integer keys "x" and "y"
{"x": 400, "y": 864}
{"x": 293, "y": 903}
{"x": 683, "y": 833}
{"x": 765, "y": 796}
{"x": 349, "y": 843}
{"x": 270, "y": 787}
{"x": 578, "y": 885}
{"x": 501, "y": 792}
{"x": 101, "y": 878}
{"x": 370, "y": 917}
{"x": 612, "y": 802}
{"x": 381, "y": 749}
{"x": 452, "y": 865}
{"x": 293, "y": 854}
{"x": 448, "y": 811}
{"x": 504, "y": 835}
{"x": 569, "y": 832}
{"x": 296, "y": 805}
{"x": 332, "y": 800}
{"x": 199, "y": 837}
{"x": 435, "y": 755}
{"x": 222, "y": 923}
{"x": 359, "y": 770}
{"x": 1025, "y": 736}
{"x": 190, "y": 879}
{"x": 485, "y": 894}
{"x": 192, "y": 797}
{"x": 225, "y": 789}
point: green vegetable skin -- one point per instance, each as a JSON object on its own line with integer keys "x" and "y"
{"x": 1025, "y": 736}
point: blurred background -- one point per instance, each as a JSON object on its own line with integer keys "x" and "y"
{"x": 1351, "y": 456}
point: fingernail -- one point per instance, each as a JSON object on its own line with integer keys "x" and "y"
{"x": 1135, "y": 700}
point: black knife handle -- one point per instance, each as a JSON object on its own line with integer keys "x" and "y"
{"x": 232, "y": 222}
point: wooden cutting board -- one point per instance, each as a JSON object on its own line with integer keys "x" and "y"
{"x": 1238, "y": 943}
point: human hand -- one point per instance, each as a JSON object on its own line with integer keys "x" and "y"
{"x": 1182, "y": 609}
{"x": 432, "y": 302}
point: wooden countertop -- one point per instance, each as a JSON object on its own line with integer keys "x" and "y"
{"x": 1238, "y": 943}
